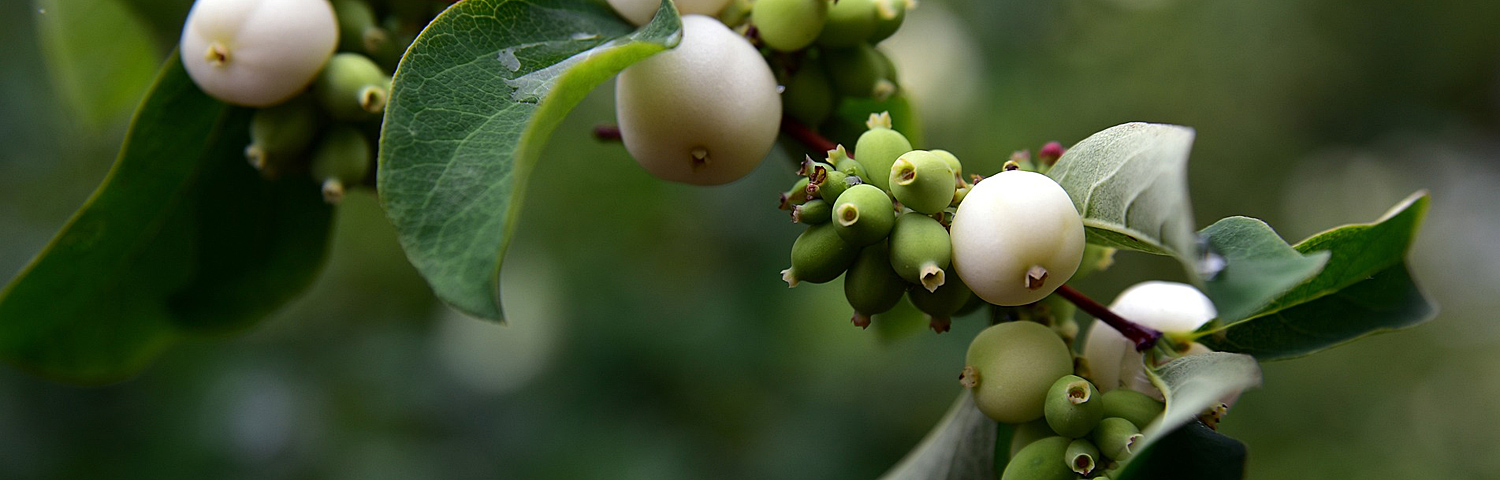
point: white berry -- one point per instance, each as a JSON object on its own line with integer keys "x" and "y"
{"x": 257, "y": 53}
{"x": 705, "y": 112}
{"x": 640, "y": 11}
{"x": 1169, "y": 307}
{"x": 1016, "y": 238}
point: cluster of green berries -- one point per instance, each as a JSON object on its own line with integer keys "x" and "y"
{"x": 897, "y": 220}
{"x": 825, "y": 51}
{"x": 317, "y": 72}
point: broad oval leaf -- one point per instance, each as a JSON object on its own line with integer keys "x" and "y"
{"x": 1130, "y": 184}
{"x": 182, "y": 235}
{"x": 1194, "y": 383}
{"x": 1249, "y": 265}
{"x": 472, "y": 103}
{"x": 960, "y": 447}
{"x": 1365, "y": 288}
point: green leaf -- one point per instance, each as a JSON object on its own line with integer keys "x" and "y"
{"x": 100, "y": 55}
{"x": 848, "y": 120}
{"x": 1251, "y": 266}
{"x": 473, "y": 101}
{"x": 1194, "y": 383}
{"x": 1130, "y": 184}
{"x": 1364, "y": 289}
{"x": 181, "y": 234}
{"x": 1192, "y": 452}
{"x": 960, "y": 447}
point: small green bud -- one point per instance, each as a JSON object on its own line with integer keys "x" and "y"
{"x": 813, "y": 212}
{"x": 1081, "y": 456}
{"x": 1029, "y": 432}
{"x": 808, "y": 96}
{"x": 818, "y": 256}
{"x": 922, "y": 181}
{"x": 941, "y": 304}
{"x": 920, "y": 250}
{"x": 859, "y": 71}
{"x": 789, "y": 25}
{"x": 796, "y": 196}
{"x": 352, "y": 87}
{"x": 358, "y": 29}
{"x": 888, "y": 17}
{"x": 959, "y": 194}
{"x": 1073, "y": 406}
{"x": 1140, "y": 409}
{"x": 877, "y": 149}
{"x": 850, "y": 23}
{"x": 840, "y": 159}
{"x": 280, "y": 134}
{"x": 1042, "y": 460}
{"x": 834, "y": 184}
{"x": 1116, "y": 437}
{"x": 341, "y": 158}
{"x": 863, "y": 215}
{"x": 1009, "y": 367}
{"x": 871, "y": 286}
{"x": 954, "y": 164}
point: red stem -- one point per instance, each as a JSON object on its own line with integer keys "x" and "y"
{"x": 607, "y": 133}
{"x": 1143, "y": 337}
{"x": 806, "y": 135}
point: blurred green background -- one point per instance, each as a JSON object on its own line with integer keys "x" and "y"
{"x": 651, "y": 336}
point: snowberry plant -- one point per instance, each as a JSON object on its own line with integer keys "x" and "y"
{"x": 286, "y": 103}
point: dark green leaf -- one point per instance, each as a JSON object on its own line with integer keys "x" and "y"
{"x": 1193, "y": 452}
{"x": 473, "y": 101}
{"x": 1251, "y": 265}
{"x": 182, "y": 233}
{"x": 1194, "y": 383}
{"x": 960, "y": 447}
{"x": 1365, "y": 288}
{"x": 1130, "y": 184}
{"x": 848, "y": 121}
{"x": 101, "y": 57}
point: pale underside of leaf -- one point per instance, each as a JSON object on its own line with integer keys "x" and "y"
{"x": 960, "y": 447}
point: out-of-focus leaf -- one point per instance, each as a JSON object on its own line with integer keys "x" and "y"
{"x": 1193, "y": 452}
{"x": 1250, "y": 265}
{"x": 100, "y": 55}
{"x": 848, "y": 121}
{"x": 960, "y": 447}
{"x": 472, "y": 103}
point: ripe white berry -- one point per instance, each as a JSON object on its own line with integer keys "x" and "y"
{"x": 1166, "y": 306}
{"x": 257, "y": 53}
{"x": 1016, "y": 238}
{"x": 640, "y": 11}
{"x": 705, "y": 112}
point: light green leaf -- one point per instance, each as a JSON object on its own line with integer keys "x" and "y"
{"x": 1365, "y": 288}
{"x": 1194, "y": 383}
{"x": 473, "y": 101}
{"x": 1130, "y": 184}
{"x": 960, "y": 447}
{"x": 1251, "y": 265}
{"x": 100, "y": 55}
{"x": 182, "y": 235}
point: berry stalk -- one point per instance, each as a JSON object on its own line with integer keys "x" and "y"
{"x": 806, "y": 135}
{"x": 1143, "y": 337}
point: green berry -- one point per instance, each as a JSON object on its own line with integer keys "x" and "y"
{"x": 1029, "y": 432}
{"x": 871, "y": 286}
{"x": 819, "y": 256}
{"x": 358, "y": 29}
{"x": 922, "y": 181}
{"x": 279, "y": 135}
{"x": 1116, "y": 437}
{"x": 1041, "y": 460}
{"x": 834, "y": 183}
{"x": 888, "y": 17}
{"x": 808, "y": 97}
{"x": 352, "y": 87}
{"x": 789, "y": 25}
{"x": 1073, "y": 406}
{"x": 864, "y": 215}
{"x": 341, "y": 158}
{"x": 876, "y": 150}
{"x": 1138, "y": 408}
{"x": 859, "y": 71}
{"x": 953, "y": 164}
{"x": 814, "y": 212}
{"x": 1081, "y": 456}
{"x": 796, "y": 196}
{"x": 940, "y": 305}
{"x": 920, "y": 250}
{"x": 1009, "y": 368}
{"x": 850, "y": 23}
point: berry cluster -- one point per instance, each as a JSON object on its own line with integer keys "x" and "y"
{"x": 316, "y": 71}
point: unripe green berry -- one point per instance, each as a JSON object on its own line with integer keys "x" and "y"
{"x": 850, "y": 23}
{"x": 1073, "y": 406}
{"x": 940, "y": 305}
{"x": 859, "y": 71}
{"x": 920, "y": 250}
{"x": 888, "y": 17}
{"x": 352, "y": 87}
{"x": 813, "y": 212}
{"x": 808, "y": 97}
{"x": 280, "y": 135}
{"x": 863, "y": 215}
{"x": 953, "y": 164}
{"x": 1016, "y": 238}
{"x": 706, "y": 112}
{"x": 922, "y": 181}
{"x": 789, "y": 25}
{"x": 877, "y": 149}
{"x": 1082, "y": 456}
{"x": 1041, "y": 460}
{"x": 871, "y": 286}
{"x": 342, "y": 158}
{"x": 1139, "y": 408}
{"x": 1026, "y": 433}
{"x": 796, "y": 196}
{"x": 819, "y": 256}
{"x": 257, "y": 53}
{"x": 358, "y": 29}
{"x": 1009, "y": 368}
{"x": 834, "y": 183}
{"x": 1116, "y": 438}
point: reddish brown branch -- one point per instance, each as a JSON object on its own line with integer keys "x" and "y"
{"x": 607, "y": 133}
{"x": 806, "y": 135}
{"x": 1143, "y": 337}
